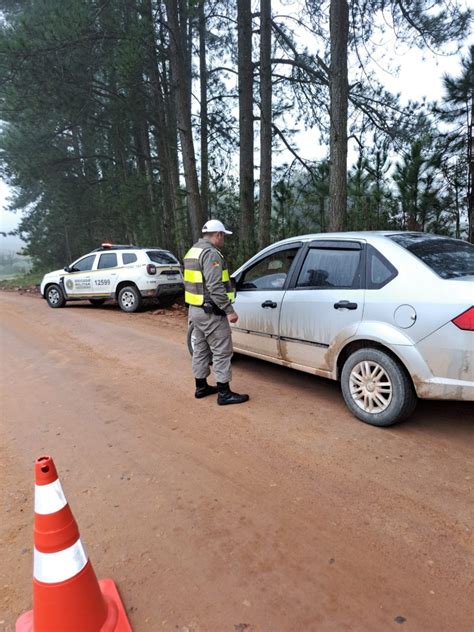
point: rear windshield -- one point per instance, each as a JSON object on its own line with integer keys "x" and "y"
{"x": 161, "y": 256}
{"x": 449, "y": 258}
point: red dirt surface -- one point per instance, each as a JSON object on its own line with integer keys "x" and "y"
{"x": 285, "y": 514}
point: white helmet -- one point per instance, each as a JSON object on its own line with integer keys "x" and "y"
{"x": 215, "y": 226}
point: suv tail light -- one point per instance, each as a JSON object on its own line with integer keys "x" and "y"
{"x": 151, "y": 269}
{"x": 465, "y": 320}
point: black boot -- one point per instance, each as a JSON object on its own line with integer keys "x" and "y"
{"x": 203, "y": 389}
{"x": 226, "y": 396}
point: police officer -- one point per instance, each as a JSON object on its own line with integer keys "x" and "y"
{"x": 209, "y": 294}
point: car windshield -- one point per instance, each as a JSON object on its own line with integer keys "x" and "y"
{"x": 449, "y": 258}
{"x": 161, "y": 257}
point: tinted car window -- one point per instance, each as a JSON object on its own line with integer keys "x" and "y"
{"x": 379, "y": 270}
{"x": 161, "y": 256}
{"x": 108, "y": 260}
{"x": 84, "y": 264}
{"x": 449, "y": 258}
{"x": 128, "y": 257}
{"x": 269, "y": 273}
{"x": 330, "y": 268}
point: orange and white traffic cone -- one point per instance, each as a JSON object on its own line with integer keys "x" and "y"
{"x": 66, "y": 594}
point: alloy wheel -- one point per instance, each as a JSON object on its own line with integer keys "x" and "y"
{"x": 370, "y": 386}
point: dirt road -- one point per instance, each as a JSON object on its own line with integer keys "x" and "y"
{"x": 285, "y": 514}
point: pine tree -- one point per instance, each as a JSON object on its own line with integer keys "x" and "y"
{"x": 458, "y": 111}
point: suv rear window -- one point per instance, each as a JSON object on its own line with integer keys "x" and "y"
{"x": 449, "y": 258}
{"x": 161, "y": 256}
{"x": 129, "y": 257}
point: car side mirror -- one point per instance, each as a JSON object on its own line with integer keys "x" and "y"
{"x": 67, "y": 269}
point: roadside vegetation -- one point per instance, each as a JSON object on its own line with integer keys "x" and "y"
{"x": 29, "y": 281}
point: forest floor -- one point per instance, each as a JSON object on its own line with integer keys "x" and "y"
{"x": 284, "y": 514}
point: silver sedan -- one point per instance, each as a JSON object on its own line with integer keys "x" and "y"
{"x": 388, "y": 314}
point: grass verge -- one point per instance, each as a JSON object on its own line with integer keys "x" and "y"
{"x": 27, "y": 281}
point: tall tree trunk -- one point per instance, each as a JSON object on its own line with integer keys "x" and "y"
{"x": 470, "y": 176}
{"x": 160, "y": 131}
{"x": 265, "y": 123}
{"x": 140, "y": 129}
{"x": 186, "y": 11}
{"x": 339, "y": 94}
{"x": 146, "y": 169}
{"x": 246, "y": 169}
{"x": 458, "y": 214}
{"x": 180, "y": 218}
{"x": 183, "y": 109}
{"x": 204, "y": 113}
{"x": 183, "y": 235}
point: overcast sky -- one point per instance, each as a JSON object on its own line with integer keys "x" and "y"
{"x": 420, "y": 76}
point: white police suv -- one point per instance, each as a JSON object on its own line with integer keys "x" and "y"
{"x": 126, "y": 274}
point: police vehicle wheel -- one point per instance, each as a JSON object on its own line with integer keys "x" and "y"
{"x": 97, "y": 301}
{"x": 55, "y": 296}
{"x": 129, "y": 299}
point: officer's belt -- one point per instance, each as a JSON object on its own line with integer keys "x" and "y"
{"x": 211, "y": 308}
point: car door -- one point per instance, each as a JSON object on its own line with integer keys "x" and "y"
{"x": 260, "y": 291}
{"x": 104, "y": 279}
{"x": 324, "y": 303}
{"x": 78, "y": 281}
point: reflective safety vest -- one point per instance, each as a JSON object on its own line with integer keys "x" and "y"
{"x": 194, "y": 286}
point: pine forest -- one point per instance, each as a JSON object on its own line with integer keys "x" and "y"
{"x": 133, "y": 121}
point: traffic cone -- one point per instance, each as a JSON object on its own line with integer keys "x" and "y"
{"x": 66, "y": 594}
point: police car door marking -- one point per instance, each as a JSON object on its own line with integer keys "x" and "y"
{"x": 83, "y": 284}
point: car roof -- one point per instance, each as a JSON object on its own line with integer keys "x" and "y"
{"x": 375, "y": 237}
{"x": 363, "y": 234}
{"x": 356, "y": 234}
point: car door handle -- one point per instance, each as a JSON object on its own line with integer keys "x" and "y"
{"x": 269, "y": 304}
{"x": 345, "y": 305}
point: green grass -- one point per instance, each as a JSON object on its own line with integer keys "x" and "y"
{"x": 21, "y": 281}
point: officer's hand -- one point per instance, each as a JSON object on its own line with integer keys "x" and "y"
{"x": 233, "y": 318}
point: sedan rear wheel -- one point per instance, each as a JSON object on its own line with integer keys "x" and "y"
{"x": 376, "y": 388}
{"x": 370, "y": 386}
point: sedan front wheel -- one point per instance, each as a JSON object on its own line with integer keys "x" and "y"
{"x": 376, "y": 388}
